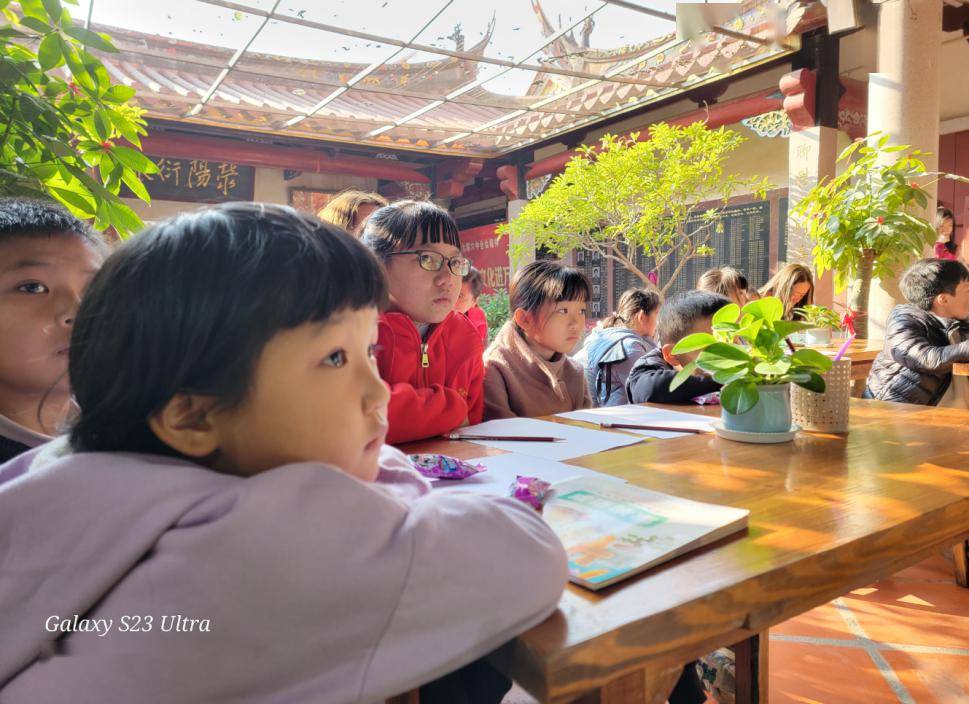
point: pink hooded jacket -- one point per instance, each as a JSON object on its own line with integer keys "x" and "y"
{"x": 306, "y": 584}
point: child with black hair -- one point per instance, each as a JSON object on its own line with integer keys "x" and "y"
{"x": 682, "y": 315}
{"x": 924, "y": 337}
{"x": 616, "y": 344}
{"x": 528, "y": 371}
{"x": 471, "y": 287}
{"x": 428, "y": 353}
{"x": 224, "y": 522}
{"x": 47, "y": 258}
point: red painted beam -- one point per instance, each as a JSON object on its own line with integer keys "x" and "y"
{"x": 508, "y": 175}
{"x": 800, "y": 97}
{"x": 716, "y": 116}
{"x": 178, "y": 146}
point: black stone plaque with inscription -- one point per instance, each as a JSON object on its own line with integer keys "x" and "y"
{"x": 593, "y": 265}
{"x": 741, "y": 238}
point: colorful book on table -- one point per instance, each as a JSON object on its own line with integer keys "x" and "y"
{"x": 612, "y": 530}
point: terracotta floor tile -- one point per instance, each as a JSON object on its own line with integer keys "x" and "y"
{"x": 929, "y": 597}
{"x": 934, "y": 568}
{"x": 930, "y": 678}
{"x": 823, "y": 622}
{"x": 812, "y": 674}
{"x": 915, "y": 614}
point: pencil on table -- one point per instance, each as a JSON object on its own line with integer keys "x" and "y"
{"x": 665, "y": 428}
{"x": 507, "y": 438}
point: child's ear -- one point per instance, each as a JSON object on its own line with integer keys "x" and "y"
{"x": 522, "y": 318}
{"x": 668, "y": 355}
{"x": 184, "y": 424}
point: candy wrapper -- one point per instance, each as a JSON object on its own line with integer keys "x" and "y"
{"x": 711, "y": 399}
{"x": 532, "y": 490}
{"x": 444, "y": 467}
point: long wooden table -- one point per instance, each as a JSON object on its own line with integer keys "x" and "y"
{"x": 829, "y": 513}
{"x": 861, "y": 352}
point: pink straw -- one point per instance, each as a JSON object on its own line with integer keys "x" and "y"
{"x": 844, "y": 348}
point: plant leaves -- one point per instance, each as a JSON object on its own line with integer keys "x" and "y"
{"x": 81, "y": 204}
{"x": 726, "y": 376}
{"x": 681, "y": 376}
{"x": 134, "y": 160}
{"x": 789, "y": 327}
{"x": 812, "y": 358}
{"x": 739, "y": 397}
{"x": 768, "y": 308}
{"x": 36, "y": 24}
{"x": 91, "y": 39}
{"x": 728, "y": 314}
{"x": 814, "y": 382}
{"x": 49, "y": 52}
{"x": 123, "y": 218}
{"x": 696, "y": 341}
{"x": 714, "y": 363}
{"x": 53, "y": 8}
{"x": 119, "y": 93}
{"x": 132, "y": 181}
{"x": 775, "y": 368}
{"x": 727, "y": 351}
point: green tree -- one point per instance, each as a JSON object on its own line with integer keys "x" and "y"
{"x": 628, "y": 195}
{"x": 861, "y": 220}
{"x": 61, "y": 128}
{"x": 497, "y": 310}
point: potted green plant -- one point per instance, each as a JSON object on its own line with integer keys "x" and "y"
{"x": 861, "y": 221}
{"x": 822, "y": 321}
{"x": 747, "y": 353}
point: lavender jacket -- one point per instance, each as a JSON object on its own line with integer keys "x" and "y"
{"x": 305, "y": 584}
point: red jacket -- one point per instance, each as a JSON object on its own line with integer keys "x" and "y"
{"x": 942, "y": 252}
{"x": 434, "y": 385}
{"x": 480, "y": 322}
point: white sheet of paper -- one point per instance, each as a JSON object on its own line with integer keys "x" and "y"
{"x": 502, "y": 470}
{"x": 576, "y": 442}
{"x": 643, "y": 415}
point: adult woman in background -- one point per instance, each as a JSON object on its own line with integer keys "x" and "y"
{"x": 351, "y": 209}
{"x": 945, "y": 228}
{"x": 794, "y": 285}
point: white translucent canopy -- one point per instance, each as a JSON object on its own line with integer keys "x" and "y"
{"x": 443, "y": 76}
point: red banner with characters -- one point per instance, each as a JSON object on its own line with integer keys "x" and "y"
{"x": 489, "y": 255}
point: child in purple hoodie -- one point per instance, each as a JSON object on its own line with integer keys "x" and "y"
{"x": 224, "y": 522}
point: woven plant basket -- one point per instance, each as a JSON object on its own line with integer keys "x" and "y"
{"x": 827, "y": 412}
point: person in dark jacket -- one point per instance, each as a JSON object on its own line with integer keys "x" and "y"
{"x": 682, "y": 315}
{"x": 924, "y": 337}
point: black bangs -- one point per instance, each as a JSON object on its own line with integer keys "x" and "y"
{"x": 30, "y": 217}
{"x": 189, "y": 304}
{"x": 575, "y": 286}
{"x": 547, "y": 281}
{"x": 408, "y": 224}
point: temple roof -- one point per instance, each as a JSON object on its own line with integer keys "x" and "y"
{"x": 525, "y": 78}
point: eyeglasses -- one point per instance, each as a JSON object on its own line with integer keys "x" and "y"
{"x": 429, "y": 260}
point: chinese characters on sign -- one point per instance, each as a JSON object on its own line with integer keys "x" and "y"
{"x": 489, "y": 255}
{"x": 199, "y": 181}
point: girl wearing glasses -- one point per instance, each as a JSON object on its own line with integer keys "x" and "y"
{"x": 429, "y": 354}
{"x": 527, "y": 369}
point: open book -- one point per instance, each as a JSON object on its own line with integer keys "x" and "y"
{"x": 613, "y": 530}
